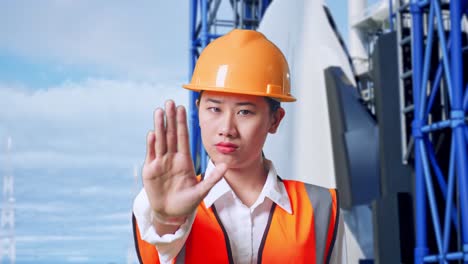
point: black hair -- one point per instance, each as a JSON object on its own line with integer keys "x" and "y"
{"x": 274, "y": 105}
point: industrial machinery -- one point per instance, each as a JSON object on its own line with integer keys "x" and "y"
{"x": 384, "y": 121}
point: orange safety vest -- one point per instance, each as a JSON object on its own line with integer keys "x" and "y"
{"x": 305, "y": 236}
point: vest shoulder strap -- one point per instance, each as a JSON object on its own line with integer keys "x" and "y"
{"x": 326, "y": 213}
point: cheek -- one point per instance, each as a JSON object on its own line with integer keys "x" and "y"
{"x": 204, "y": 122}
{"x": 257, "y": 134}
{"x": 206, "y": 128}
{"x": 209, "y": 128}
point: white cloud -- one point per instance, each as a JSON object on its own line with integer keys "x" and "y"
{"x": 108, "y": 228}
{"x": 104, "y": 191}
{"x": 148, "y": 38}
{"x": 51, "y": 238}
{"x": 92, "y": 99}
{"x": 120, "y": 216}
{"x": 141, "y": 49}
{"x": 44, "y": 158}
{"x": 92, "y": 123}
{"x": 78, "y": 259}
{"x": 51, "y": 207}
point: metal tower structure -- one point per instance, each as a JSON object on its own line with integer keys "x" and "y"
{"x": 210, "y": 19}
{"x": 7, "y": 221}
{"x": 434, "y": 105}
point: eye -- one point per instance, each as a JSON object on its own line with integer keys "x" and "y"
{"x": 244, "y": 112}
{"x": 214, "y": 109}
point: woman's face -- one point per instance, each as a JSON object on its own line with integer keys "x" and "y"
{"x": 234, "y": 127}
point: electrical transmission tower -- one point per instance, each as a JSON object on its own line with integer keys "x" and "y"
{"x": 7, "y": 221}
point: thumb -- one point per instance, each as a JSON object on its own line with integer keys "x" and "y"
{"x": 203, "y": 187}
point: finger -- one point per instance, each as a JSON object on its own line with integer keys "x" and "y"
{"x": 203, "y": 187}
{"x": 160, "y": 132}
{"x": 171, "y": 138}
{"x": 182, "y": 131}
{"x": 150, "y": 153}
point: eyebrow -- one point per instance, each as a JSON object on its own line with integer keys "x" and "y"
{"x": 213, "y": 101}
{"x": 246, "y": 103}
{"x": 240, "y": 103}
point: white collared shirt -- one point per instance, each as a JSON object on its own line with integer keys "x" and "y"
{"x": 245, "y": 226}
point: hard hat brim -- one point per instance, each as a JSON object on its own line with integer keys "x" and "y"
{"x": 279, "y": 97}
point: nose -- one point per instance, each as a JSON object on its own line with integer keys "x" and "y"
{"x": 228, "y": 127}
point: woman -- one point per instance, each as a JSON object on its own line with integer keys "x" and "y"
{"x": 240, "y": 210}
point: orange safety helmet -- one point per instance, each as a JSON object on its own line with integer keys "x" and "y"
{"x": 243, "y": 62}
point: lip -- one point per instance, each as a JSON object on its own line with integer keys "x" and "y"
{"x": 226, "y": 147}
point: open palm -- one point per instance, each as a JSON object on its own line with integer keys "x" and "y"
{"x": 168, "y": 174}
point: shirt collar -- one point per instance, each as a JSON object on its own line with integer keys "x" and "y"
{"x": 218, "y": 190}
{"x": 273, "y": 189}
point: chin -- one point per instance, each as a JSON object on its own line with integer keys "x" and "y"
{"x": 229, "y": 160}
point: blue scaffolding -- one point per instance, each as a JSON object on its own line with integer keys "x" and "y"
{"x": 436, "y": 40}
{"x": 208, "y": 22}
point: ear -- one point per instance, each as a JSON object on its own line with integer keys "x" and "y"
{"x": 276, "y": 120}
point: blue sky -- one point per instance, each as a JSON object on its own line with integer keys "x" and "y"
{"x": 78, "y": 84}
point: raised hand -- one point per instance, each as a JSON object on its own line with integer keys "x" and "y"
{"x": 168, "y": 173}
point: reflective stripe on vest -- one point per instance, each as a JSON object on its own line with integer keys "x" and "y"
{"x": 325, "y": 204}
{"x": 288, "y": 238}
